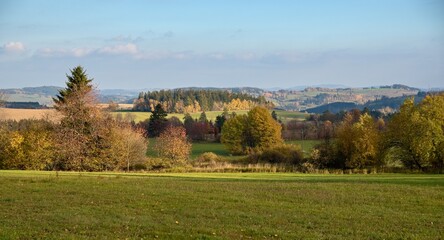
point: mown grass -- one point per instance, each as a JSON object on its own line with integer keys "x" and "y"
{"x": 37, "y": 205}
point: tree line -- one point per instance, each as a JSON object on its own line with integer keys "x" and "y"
{"x": 197, "y": 100}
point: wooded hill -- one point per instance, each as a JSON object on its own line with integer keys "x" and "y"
{"x": 384, "y": 105}
{"x": 195, "y": 100}
{"x": 312, "y": 97}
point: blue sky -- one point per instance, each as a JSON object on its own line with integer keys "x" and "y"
{"x": 232, "y": 43}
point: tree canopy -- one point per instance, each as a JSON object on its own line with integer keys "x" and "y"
{"x": 78, "y": 81}
{"x": 417, "y": 133}
{"x": 252, "y": 132}
{"x": 196, "y": 100}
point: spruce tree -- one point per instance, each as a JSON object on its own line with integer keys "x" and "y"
{"x": 77, "y": 82}
{"x": 157, "y": 121}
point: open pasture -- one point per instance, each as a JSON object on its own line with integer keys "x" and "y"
{"x": 71, "y": 205}
{"x": 142, "y": 116}
{"x": 218, "y": 148}
{"x": 284, "y": 116}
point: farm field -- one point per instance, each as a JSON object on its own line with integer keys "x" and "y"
{"x": 19, "y": 114}
{"x": 72, "y": 205}
{"x": 218, "y": 148}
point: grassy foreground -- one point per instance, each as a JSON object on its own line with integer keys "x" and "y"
{"x": 220, "y": 206}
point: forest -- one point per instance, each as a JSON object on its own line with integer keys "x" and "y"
{"x": 197, "y": 100}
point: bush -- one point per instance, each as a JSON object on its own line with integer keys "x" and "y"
{"x": 158, "y": 164}
{"x": 207, "y": 159}
{"x": 326, "y": 155}
{"x": 285, "y": 154}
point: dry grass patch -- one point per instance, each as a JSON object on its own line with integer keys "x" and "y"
{"x": 19, "y": 114}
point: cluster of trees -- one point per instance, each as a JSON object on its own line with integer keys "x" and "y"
{"x": 258, "y": 134}
{"x": 412, "y": 138}
{"x": 198, "y": 129}
{"x": 85, "y": 139}
{"x": 191, "y": 100}
{"x": 325, "y": 125}
{"x": 255, "y": 131}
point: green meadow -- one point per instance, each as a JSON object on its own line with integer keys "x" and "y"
{"x": 211, "y": 115}
{"x": 218, "y": 148}
{"x": 73, "y": 205}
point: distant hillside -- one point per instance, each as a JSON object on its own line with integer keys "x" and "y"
{"x": 293, "y": 99}
{"x": 44, "y": 90}
{"x": 385, "y": 104}
{"x": 313, "y": 97}
{"x": 334, "y": 107}
{"x": 43, "y": 95}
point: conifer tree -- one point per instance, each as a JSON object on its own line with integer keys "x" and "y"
{"x": 157, "y": 121}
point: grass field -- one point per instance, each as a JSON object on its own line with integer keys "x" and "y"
{"x": 211, "y": 115}
{"x": 197, "y": 149}
{"x": 141, "y": 116}
{"x": 286, "y": 116}
{"x": 218, "y": 148}
{"x": 44, "y": 205}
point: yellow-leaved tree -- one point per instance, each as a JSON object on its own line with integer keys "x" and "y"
{"x": 415, "y": 135}
{"x": 254, "y": 132}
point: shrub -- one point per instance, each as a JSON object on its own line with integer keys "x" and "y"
{"x": 207, "y": 159}
{"x": 285, "y": 154}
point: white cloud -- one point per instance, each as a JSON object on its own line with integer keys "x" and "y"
{"x": 14, "y": 47}
{"x": 125, "y": 49}
{"x": 129, "y": 48}
{"x": 60, "y": 52}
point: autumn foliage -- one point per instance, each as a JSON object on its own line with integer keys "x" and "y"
{"x": 173, "y": 145}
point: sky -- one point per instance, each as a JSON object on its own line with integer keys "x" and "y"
{"x": 148, "y": 44}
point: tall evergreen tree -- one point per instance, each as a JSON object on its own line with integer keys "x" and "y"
{"x": 79, "y": 138}
{"x": 157, "y": 121}
{"x": 203, "y": 117}
{"x": 77, "y": 102}
{"x": 77, "y": 82}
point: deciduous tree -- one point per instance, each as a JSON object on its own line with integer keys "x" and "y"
{"x": 252, "y": 132}
{"x": 416, "y": 133}
{"x": 172, "y": 144}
